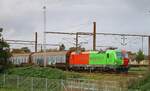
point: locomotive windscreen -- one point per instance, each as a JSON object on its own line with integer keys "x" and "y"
{"x": 119, "y": 55}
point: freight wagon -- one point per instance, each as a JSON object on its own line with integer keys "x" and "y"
{"x": 19, "y": 59}
{"x": 55, "y": 59}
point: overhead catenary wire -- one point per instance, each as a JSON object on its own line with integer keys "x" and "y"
{"x": 88, "y": 33}
{"x": 19, "y": 41}
{"x": 33, "y": 44}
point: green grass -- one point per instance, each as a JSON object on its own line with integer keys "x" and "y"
{"x": 143, "y": 84}
{"x": 52, "y": 73}
{"x": 9, "y": 89}
{"x": 40, "y": 72}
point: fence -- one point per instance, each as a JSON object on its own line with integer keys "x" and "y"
{"x": 93, "y": 85}
{"x": 29, "y": 83}
{"x": 21, "y": 83}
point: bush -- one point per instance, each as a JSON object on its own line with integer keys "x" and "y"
{"x": 142, "y": 84}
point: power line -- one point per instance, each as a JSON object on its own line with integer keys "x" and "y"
{"x": 19, "y": 41}
{"x": 107, "y": 46}
{"x": 34, "y": 44}
{"x": 88, "y": 33}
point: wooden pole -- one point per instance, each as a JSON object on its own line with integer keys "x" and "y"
{"x": 149, "y": 50}
{"x": 94, "y": 36}
{"x": 35, "y": 41}
{"x": 77, "y": 42}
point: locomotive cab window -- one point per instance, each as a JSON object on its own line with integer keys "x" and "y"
{"x": 107, "y": 55}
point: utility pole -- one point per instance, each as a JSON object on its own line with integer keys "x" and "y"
{"x": 149, "y": 50}
{"x": 35, "y": 41}
{"x": 142, "y": 44}
{"x": 41, "y": 48}
{"x": 77, "y": 42}
{"x": 94, "y": 36}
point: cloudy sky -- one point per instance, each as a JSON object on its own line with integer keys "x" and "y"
{"x": 21, "y": 18}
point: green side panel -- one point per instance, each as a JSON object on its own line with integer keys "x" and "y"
{"x": 97, "y": 58}
{"x": 119, "y": 61}
{"x": 111, "y": 59}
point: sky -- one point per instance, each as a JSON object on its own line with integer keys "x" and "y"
{"x": 20, "y": 19}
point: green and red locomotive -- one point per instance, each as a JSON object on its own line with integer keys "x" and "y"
{"x": 105, "y": 60}
{"x": 113, "y": 60}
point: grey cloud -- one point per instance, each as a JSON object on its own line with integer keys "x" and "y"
{"x": 24, "y": 17}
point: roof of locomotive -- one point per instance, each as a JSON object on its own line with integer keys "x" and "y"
{"x": 87, "y": 52}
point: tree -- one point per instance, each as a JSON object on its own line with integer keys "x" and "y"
{"x": 17, "y": 51}
{"x": 4, "y": 54}
{"x": 131, "y": 55}
{"x": 139, "y": 56}
{"x": 22, "y": 50}
{"x": 52, "y": 50}
{"x": 62, "y": 47}
{"x": 25, "y": 49}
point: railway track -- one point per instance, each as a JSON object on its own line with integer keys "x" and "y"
{"x": 139, "y": 65}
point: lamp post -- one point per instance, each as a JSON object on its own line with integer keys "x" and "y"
{"x": 44, "y": 28}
